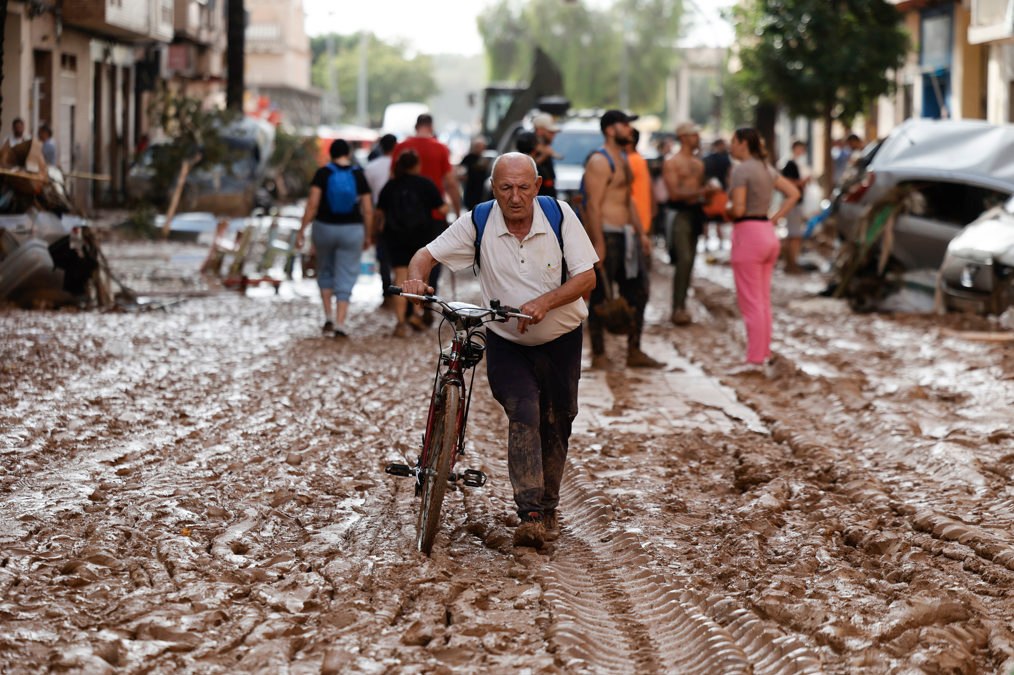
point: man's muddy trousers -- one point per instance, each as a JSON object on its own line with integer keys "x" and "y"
{"x": 537, "y": 387}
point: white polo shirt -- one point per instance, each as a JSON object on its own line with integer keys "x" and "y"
{"x": 515, "y": 272}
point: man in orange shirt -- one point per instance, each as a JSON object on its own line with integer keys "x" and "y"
{"x": 640, "y": 186}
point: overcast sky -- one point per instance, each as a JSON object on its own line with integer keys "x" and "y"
{"x": 448, "y": 26}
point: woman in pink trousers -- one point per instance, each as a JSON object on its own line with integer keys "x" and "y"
{"x": 755, "y": 245}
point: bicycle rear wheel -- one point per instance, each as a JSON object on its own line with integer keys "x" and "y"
{"x": 438, "y": 465}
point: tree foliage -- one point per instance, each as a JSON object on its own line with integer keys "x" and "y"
{"x": 821, "y": 59}
{"x": 392, "y": 75}
{"x": 588, "y": 45}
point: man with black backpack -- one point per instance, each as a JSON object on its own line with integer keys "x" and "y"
{"x": 404, "y": 225}
{"x": 528, "y": 252}
{"x": 339, "y": 206}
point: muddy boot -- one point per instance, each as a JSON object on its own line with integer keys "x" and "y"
{"x": 402, "y": 330}
{"x": 680, "y": 317}
{"x": 638, "y": 359}
{"x": 600, "y": 362}
{"x": 531, "y": 531}
{"x": 551, "y": 520}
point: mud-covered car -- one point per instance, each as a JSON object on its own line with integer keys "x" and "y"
{"x": 232, "y": 186}
{"x": 947, "y": 171}
{"x": 978, "y": 271}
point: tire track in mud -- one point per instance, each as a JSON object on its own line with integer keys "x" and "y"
{"x": 899, "y": 519}
{"x": 612, "y": 613}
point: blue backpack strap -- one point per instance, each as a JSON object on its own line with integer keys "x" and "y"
{"x": 480, "y": 214}
{"x": 554, "y": 214}
{"x": 609, "y": 158}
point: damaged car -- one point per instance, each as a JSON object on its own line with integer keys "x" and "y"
{"x": 977, "y": 274}
{"x": 938, "y": 176}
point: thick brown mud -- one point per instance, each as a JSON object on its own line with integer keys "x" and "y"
{"x": 201, "y": 489}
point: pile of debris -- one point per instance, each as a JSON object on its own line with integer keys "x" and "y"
{"x": 48, "y": 257}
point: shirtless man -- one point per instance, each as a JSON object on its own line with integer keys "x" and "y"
{"x": 620, "y": 239}
{"x": 683, "y": 173}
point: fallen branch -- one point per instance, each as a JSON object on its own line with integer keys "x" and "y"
{"x": 979, "y": 335}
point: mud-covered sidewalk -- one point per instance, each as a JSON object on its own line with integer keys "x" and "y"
{"x": 201, "y": 489}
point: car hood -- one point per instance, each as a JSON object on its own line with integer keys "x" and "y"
{"x": 969, "y": 151}
{"x": 568, "y": 177}
{"x": 990, "y": 237}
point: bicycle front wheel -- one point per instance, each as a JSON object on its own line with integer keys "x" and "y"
{"x": 438, "y": 465}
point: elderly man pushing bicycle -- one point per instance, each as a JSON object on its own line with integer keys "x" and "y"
{"x": 534, "y": 255}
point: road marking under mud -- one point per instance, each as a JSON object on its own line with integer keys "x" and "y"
{"x": 681, "y": 396}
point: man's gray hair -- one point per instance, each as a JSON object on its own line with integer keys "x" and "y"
{"x": 531, "y": 161}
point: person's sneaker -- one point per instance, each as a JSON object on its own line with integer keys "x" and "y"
{"x": 531, "y": 532}
{"x": 638, "y": 359}
{"x": 551, "y": 521}
{"x": 402, "y": 330}
{"x": 600, "y": 362}
{"x": 680, "y": 317}
{"x": 340, "y": 332}
{"x": 327, "y": 328}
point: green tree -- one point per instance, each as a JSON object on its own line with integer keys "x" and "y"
{"x": 392, "y": 75}
{"x": 822, "y": 59}
{"x": 588, "y": 45}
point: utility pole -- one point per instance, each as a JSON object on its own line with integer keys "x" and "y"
{"x": 235, "y": 54}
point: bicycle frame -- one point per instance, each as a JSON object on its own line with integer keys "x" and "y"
{"x": 463, "y": 353}
{"x": 442, "y": 442}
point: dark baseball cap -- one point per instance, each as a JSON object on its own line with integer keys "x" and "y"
{"x": 611, "y": 117}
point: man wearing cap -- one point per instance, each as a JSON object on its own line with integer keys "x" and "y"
{"x": 545, "y": 131}
{"x": 620, "y": 240}
{"x": 683, "y": 173}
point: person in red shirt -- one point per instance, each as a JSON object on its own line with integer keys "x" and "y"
{"x": 434, "y": 164}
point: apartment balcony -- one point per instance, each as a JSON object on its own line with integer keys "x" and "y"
{"x": 992, "y": 21}
{"x": 201, "y": 22}
{"x": 126, "y": 20}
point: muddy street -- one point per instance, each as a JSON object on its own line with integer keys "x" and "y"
{"x": 201, "y": 489}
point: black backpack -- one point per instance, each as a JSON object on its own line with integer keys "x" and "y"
{"x": 407, "y": 217}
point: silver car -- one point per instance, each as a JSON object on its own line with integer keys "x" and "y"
{"x": 978, "y": 271}
{"x": 949, "y": 172}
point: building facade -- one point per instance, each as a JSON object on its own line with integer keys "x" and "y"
{"x": 278, "y": 60}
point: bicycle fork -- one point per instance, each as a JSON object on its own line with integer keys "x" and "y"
{"x": 468, "y": 477}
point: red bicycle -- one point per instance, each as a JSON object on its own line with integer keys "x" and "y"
{"x": 444, "y": 439}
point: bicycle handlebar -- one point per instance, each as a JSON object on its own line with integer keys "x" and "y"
{"x": 502, "y": 312}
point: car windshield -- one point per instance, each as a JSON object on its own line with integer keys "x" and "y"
{"x": 574, "y": 146}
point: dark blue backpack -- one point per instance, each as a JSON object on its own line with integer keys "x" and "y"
{"x": 342, "y": 191}
{"x": 554, "y": 214}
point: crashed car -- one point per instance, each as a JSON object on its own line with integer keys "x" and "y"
{"x": 977, "y": 274}
{"x": 947, "y": 172}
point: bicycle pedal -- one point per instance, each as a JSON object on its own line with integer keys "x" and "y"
{"x": 402, "y": 470}
{"x": 473, "y": 478}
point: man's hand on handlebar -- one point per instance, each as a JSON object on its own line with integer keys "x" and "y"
{"x": 416, "y": 287}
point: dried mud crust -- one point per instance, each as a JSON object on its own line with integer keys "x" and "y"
{"x": 202, "y": 490}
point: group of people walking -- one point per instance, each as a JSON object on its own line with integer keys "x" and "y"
{"x": 402, "y": 198}
{"x": 561, "y": 268}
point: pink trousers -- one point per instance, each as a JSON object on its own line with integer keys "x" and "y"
{"x": 755, "y": 250}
